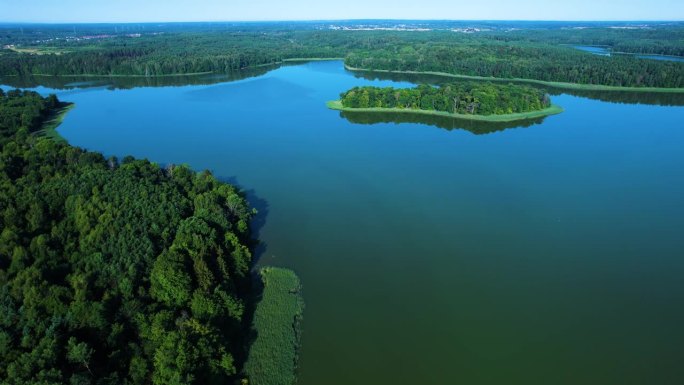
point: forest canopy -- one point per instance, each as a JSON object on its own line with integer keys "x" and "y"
{"x": 531, "y": 53}
{"x": 522, "y": 61}
{"x": 473, "y": 98}
{"x": 114, "y": 272}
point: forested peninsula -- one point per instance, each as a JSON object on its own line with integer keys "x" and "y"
{"x": 552, "y": 65}
{"x": 466, "y": 100}
{"x": 120, "y": 272}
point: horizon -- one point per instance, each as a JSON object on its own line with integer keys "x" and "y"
{"x": 181, "y": 11}
{"x": 5, "y": 22}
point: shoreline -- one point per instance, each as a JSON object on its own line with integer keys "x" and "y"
{"x": 119, "y": 75}
{"x": 49, "y": 127}
{"x": 553, "y": 110}
{"x": 305, "y": 59}
{"x": 560, "y": 85}
{"x": 574, "y": 86}
{"x": 290, "y": 60}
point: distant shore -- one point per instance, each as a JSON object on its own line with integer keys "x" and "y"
{"x": 290, "y": 60}
{"x": 553, "y": 110}
{"x": 573, "y": 86}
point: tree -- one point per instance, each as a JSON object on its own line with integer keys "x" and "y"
{"x": 79, "y": 353}
{"x": 114, "y": 273}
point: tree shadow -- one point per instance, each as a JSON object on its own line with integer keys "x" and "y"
{"x": 258, "y": 221}
{"x": 256, "y": 288}
{"x": 250, "y": 334}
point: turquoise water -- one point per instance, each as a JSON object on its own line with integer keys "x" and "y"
{"x": 545, "y": 254}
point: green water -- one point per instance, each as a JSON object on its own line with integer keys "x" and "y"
{"x": 549, "y": 253}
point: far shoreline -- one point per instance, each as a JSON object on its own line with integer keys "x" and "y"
{"x": 275, "y": 63}
{"x": 552, "y": 110}
{"x": 570, "y": 86}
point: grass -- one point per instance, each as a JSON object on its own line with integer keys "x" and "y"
{"x": 554, "y": 109}
{"x": 272, "y": 358}
{"x": 571, "y": 86}
{"x": 49, "y": 128}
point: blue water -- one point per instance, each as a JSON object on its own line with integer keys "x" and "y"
{"x": 662, "y": 57}
{"x": 548, "y": 254}
{"x": 602, "y": 51}
{"x": 593, "y": 49}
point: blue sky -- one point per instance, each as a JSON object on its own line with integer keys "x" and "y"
{"x": 229, "y": 10}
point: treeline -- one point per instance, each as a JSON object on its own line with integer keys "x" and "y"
{"x": 530, "y": 54}
{"x": 474, "y": 98}
{"x": 659, "y": 40}
{"x": 114, "y": 272}
{"x": 132, "y": 61}
{"x": 20, "y": 109}
{"x": 522, "y": 60}
{"x": 174, "y": 53}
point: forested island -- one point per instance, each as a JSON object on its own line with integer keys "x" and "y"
{"x": 122, "y": 272}
{"x": 468, "y": 100}
{"x": 539, "y": 53}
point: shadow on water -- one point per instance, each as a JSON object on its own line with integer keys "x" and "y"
{"x": 444, "y": 122}
{"x": 250, "y": 335}
{"x": 258, "y": 221}
{"x": 126, "y": 82}
{"x": 256, "y": 288}
{"x": 625, "y": 97}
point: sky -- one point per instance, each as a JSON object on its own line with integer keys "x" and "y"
{"x": 86, "y": 11}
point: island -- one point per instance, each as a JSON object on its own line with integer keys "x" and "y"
{"x": 483, "y": 101}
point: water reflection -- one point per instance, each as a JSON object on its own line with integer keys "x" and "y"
{"x": 125, "y": 82}
{"x": 474, "y": 126}
{"x": 122, "y": 82}
{"x": 626, "y": 97}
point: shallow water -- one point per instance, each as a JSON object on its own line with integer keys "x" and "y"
{"x": 546, "y": 254}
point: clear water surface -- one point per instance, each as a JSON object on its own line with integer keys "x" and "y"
{"x": 603, "y": 51}
{"x": 547, "y": 254}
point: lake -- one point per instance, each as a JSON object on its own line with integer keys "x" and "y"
{"x": 544, "y": 253}
{"x": 603, "y": 51}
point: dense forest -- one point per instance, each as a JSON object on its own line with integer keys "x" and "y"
{"x": 522, "y": 60}
{"x": 114, "y": 272}
{"x": 180, "y": 53}
{"x": 638, "y": 40}
{"x": 474, "y": 98}
{"x": 535, "y": 53}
